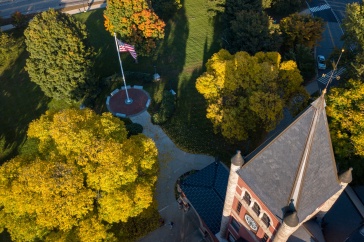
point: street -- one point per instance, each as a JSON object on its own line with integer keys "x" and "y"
{"x": 8, "y": 7}
{"x": 333, "y": 13}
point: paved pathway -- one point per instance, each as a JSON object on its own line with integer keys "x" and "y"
{"x": 173, "y": 163}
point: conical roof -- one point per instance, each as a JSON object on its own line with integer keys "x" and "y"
{"x": 346, "y": 177}
{"x": 237, "y": 160}
{"x": 297, "y": 164}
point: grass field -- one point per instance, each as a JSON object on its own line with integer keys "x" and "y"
{"x": 191, "y": 37}
{"x": 21, "y": 102}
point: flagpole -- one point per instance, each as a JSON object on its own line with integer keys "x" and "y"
{"x": 127, "y": 101}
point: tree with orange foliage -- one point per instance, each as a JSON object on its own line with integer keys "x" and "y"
{"x": 136, "y": 22}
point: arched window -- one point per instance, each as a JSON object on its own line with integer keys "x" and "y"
{"x": 266, "y": 220}
{"x": 256, "y": 209}
{"x": 247, "y": 198}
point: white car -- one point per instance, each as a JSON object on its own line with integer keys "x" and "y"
{"x": 321, "y": 62}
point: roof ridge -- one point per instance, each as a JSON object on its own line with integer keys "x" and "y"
{"x": 319, "y": 104}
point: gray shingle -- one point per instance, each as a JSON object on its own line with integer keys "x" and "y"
{"x": 271, "y": 172}
{"x": 206, "y": 190}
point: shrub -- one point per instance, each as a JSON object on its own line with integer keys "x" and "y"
{"x": 166, "y": 109}
{"x": 134, "y": 129}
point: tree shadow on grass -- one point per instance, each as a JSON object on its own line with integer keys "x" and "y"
{"x": 21, "y": 102}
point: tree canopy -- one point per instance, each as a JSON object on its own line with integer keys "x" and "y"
{"x": 251, "y": 31}
{"x": 136, "y": 23}
{"x": 285, "y": 7}
{"x": 165, "y": 9}
{"x": 7, "y": 45}
{"x": 245, "y": 93}
{"x": 353, "y": 25}
{"x": 82, "y": 176}
{"x": 301, "y": 29}
{"x": 346, "y": 112}
{"x": 59, "y": 58}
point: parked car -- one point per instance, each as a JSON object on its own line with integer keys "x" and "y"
{"x": 321, "y": 62}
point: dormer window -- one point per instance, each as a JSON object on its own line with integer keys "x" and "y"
{"x": 247, "y": 198}
{"x": 256, "y": 209}
{"x": 266, "y": 220}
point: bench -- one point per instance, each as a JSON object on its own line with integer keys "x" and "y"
{"x": 114, "y": 92}
{"x": 120, "y": 115}
{"x": 138, "y": 87}
{"x": 123, "y": 87}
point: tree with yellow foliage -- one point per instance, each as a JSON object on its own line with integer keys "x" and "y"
{"x": 345, "y": 108}
{"x": 86, "y": 175}
{"x": 245, "y": 93}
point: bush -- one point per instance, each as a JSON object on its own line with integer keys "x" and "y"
{"x": 166, "y": 109}
{"x": 134, "y": 129}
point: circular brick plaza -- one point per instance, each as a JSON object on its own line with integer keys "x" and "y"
{"x": 116, "y": 102}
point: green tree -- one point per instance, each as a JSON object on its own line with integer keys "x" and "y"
{"x": 301, "y": 29}
{"x": 165, "y": 9}
{"x": 18, "y": 19}
{"x": 136, "y": 22}
{"x": 250, "y": 31}
{"x": 346, "y": 112}
{"x": 353, "y": 25}
{"x": 345, "y": 108}
{"x": 306, "y": 63}
{"x": 7, "y": 46}
{"x": 285, "y": 7}
{"x": 248, "y": 93}
{"x": 59, "y": 58}
{"x": 86, "y": 175}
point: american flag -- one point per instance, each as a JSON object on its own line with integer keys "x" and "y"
{"x": 124, "y": 47}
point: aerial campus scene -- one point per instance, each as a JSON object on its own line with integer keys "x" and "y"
{"x": 181, "y": 120}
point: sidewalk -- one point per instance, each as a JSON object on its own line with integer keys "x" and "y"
{"x": 173, "y": 163}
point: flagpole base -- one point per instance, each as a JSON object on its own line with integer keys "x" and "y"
{"x": 128, "y": 101}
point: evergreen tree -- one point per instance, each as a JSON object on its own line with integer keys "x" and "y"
{"x": 59, "y": 58}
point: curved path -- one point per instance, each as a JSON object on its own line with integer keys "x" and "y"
{"x": 173, "y": 163}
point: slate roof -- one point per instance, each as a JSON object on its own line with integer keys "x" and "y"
{"x": 272, "y": 171}
{"x": 206, "y": 190}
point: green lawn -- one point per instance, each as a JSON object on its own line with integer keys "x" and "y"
{"x": 21, "y": 102}
{"x": 191, "y": 37}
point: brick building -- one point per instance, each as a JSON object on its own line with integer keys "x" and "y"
{"x": 279, "y": 192}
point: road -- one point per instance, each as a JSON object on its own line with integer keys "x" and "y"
{"x": 333, "y": 13}
{"x": 8, "y": 7}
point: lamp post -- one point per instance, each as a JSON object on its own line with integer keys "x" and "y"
{"x": 334, "y": 69}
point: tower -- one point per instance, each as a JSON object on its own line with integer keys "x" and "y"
{"x": 236, "y": 162}
{"x": 284, "y": 183}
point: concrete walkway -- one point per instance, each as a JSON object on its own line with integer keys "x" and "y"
{"x": 173, "y": 163}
